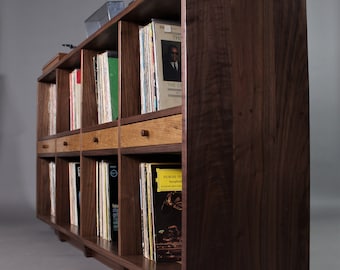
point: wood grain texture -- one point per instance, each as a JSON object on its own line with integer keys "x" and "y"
{"x": 100, "y": 139}
{"x": 46, "y": 146}
{"x": 68, "y": 143}
{"x": 105, "y": 249}
{"x": 129, "y": 219}
{"x": 42, "y": 110}
{"x": 152, "y": 115}
{"x": 247, "y": 195}
{"x": 245, "y": 137}
{"x": 62, "y": 192}
{"x": 63, "y": 104}
{"x": 129, "y": 78}
{"x": 208, "y": 164}
{"x": 167, "y": 130}
{"x": 89, "y": 105}
{"x": 43, "y": 188}
{"x": 88, "y": 198}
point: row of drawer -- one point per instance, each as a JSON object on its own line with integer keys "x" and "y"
{"x": 167, "y": 130}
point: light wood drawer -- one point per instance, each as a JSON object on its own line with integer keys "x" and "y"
{"x": 47, "y": 146}
{"x": 166, "y": 130}
{"x": 100, "y": 139}
{"x": 68, "y": 143}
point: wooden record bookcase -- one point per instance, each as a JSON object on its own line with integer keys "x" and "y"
{"x": 242, "y": 135}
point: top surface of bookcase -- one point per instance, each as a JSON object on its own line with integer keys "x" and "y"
{"x": 105, "y": 38}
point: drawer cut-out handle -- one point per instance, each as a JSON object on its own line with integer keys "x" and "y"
{"x": 144, "y": 133}
{"x": 95, "y": 140}
{"x": 65, "y": 143}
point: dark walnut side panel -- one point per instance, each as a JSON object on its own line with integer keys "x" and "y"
{"x": 248, "y": 189}
{"x": 208, "y": 151}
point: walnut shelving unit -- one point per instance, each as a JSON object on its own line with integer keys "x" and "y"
{"x": 242, "y": 135}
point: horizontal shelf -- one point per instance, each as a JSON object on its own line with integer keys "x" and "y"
{"x": 155, "y": 149}
{"x": 100, "y": 126}
{"x": 109, "y": 250}
{"x": 48, "y": 137}
{"x": 123, "y": 121}
{"x": 102, "y": 152}
{"x": 95, "y": 246}
{"x": 46, "y": 155}
{"x": 67, "y": 231}
{"x": 67, "y": 133}
{"x": 47, "y": 219}
{"x": 151, "y": 115}
{"x": 68, "y": 154}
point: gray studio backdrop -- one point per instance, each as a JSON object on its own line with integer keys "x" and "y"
{"x": 32, "y": 32}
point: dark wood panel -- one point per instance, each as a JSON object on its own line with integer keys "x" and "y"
{"x": 71, "y": 154}
{"x": 63, "y": 103}
{"x": 129, "y": 83}
{"x": 43, "y": 199}
{"x": 271, "y": 136}
{"x": 49, "y": 76}
{"x": 165, "y": 148}
{"x": 42, "y": 110}
{"x": 257, "y": 115}
{"x": 100, "y": 153}
{"x": 100, "y": 126}
{"x": 88, "y": 197}
{"x": 292, "y": 134}
{"x": 46, "y": 137}
{"x": 253, "y": 221}
{"x": 152, "y": 115}
{"x": 129, "y": 233}
{"x": 89, "y": 105}
{"x": 106, "y": 252}
{"x": 46, "y": 155}
{"x": 208, "y": 149}
{"x": 62, "y": 192}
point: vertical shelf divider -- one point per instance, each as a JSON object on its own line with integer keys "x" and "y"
{"x": 128, "y": 57}
{"x": 42, "y": 115}
{"x": 43, "y": 188}
{"x": 88, "y": 197}
{"x": 89, "y": 104}
{"x": 129, "y": 228}
{"x": 62, "y": 192}
{"x": 63, "y": 104}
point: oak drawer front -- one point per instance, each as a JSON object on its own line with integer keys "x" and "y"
{"x": 166, "y": 130}
{"x": 44, "y": 147}
{"x": 68, "y": 143}
{"x": 100, "y": 139}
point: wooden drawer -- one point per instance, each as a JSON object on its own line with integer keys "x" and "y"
{"x": 100, "y": 139}
{"x": 68, "y": 143}
{"x": 47, "y": 146}
{"x": 166, "y": 130}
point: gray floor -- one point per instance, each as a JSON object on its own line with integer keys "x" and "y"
{"x": 325, "y": 238}
{"x": 27, "y": 243}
